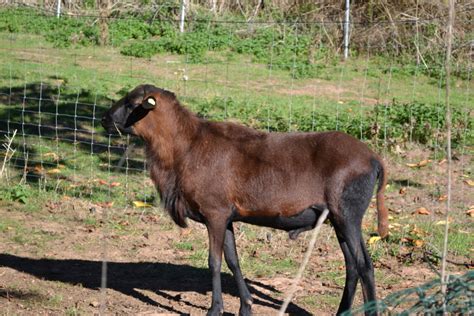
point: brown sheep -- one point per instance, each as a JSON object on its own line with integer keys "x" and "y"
{"x": 217, "y": 173}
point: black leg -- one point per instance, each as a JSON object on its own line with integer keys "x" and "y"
{"x": 352, "y": 278}
{"x": 367, "y": 275}
{"x": 361, "y": 262}
{"x": 216, "y": 230}
{"x": 232, "y": 260}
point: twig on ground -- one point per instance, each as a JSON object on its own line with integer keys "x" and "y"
{"x": 8, "y": 151}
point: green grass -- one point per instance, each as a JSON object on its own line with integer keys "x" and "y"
{"x": 17, "y": 233}
{"x": 318, "y": 301}
{"x": 55, "y": 300}
{"x": 460, "y": 241}
{"x": 184, "y": 245}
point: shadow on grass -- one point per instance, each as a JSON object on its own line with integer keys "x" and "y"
{"x": 62, "y": 114}
{"x": 127, "y": 277}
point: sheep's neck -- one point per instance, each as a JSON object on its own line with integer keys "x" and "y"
{"x": 169, "y": 136}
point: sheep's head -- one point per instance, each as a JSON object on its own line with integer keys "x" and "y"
{"x": 130, "y": 109}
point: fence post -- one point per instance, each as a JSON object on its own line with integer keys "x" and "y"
{"x": 447, "y": 65}
{"x": 183, "y": 14}
{"x": 58, "y": 9}
{"x": 104, "y": 12}
{"x": 346, "y": 30}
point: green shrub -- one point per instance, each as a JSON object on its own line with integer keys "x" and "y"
{"x": 423, "y": 123}
{"x": 142, "y": 49}
{"x": 426, "y": 121}
{"x": 18, "y": 193}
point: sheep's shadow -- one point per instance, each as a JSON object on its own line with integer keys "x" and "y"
{"x": 127, "y": 277}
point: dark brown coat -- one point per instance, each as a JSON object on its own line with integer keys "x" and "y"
{"x": 220, "y": 172}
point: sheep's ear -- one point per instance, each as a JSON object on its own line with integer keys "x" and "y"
{"x": 149, "y": 103}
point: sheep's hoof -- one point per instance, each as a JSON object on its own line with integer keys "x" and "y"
{"x": 245, "y": 308}
{"x": 215, "y": 311}
{"x": 294, "y": 234}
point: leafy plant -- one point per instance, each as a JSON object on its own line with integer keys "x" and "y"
{"x": 18, "y": 193}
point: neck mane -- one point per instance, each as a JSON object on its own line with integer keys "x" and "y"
{"x": 168, "y": 137}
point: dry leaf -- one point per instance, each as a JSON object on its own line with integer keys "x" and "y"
{"x": 419, "y": 164}
{"x": 418, "y": 242}
{"x": 115, "y": 184}
{"x": 441, "y": 223}
{"x": 442, "y": 162}
{"x": 424, "y": 162}
{"x": 393, "y": 225}
{"x": 374, "y": 239}
{"x": 470, "y": 212}
{"x": 103, "y": 182}
{"x": 442, "y": 198}
{"x": 38, "y": 169}
{"x": 402, "y": 191}
{"x": 54, "y": 156}
{"x": 469, "y": 182}
{"x": 53, "y": 171}
{"x": 422, "y": 211}
{"x": 418, "y": 231}
{"x": 141, "y": 204}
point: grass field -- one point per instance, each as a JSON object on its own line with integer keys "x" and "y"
{"x": 66, "y": 194}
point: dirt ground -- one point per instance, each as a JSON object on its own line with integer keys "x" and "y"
{"x": 51, "y": 258}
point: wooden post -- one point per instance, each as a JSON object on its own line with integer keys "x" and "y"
{"x": 104, "y": 8}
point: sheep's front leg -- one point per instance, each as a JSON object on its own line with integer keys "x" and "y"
{"x": 216, "y": 229}
{"x": 232, "y": 260}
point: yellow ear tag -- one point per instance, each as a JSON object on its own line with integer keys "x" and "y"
{"x": 151, "y": 101}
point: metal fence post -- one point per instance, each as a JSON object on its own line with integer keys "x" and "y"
{"x": 183, "y": 14}
{"x": 58, "y": 9}
{"x": 346, "y": 30}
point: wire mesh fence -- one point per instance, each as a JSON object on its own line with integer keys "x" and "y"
{"x": 279, "y": 76}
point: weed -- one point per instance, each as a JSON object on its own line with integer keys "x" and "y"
{"x": 91, "y": 221}
{"x": 72, "y": 311}
{"x": 184, "y": 245}
{"x": 17, "y": 192}
{"x": 55, "y": 300}
{"x": 198, "y": 258}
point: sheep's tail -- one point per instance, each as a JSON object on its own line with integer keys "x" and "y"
{"x": 382, "y": 211}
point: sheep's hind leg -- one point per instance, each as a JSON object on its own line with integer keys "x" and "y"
{"x": 232, "y": 260}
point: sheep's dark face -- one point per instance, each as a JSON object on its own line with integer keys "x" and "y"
{"x": 129, "y": 110}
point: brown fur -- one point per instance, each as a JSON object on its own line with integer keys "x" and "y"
{"x": 213, "y": 166}
{"x": 216, "y": 173}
